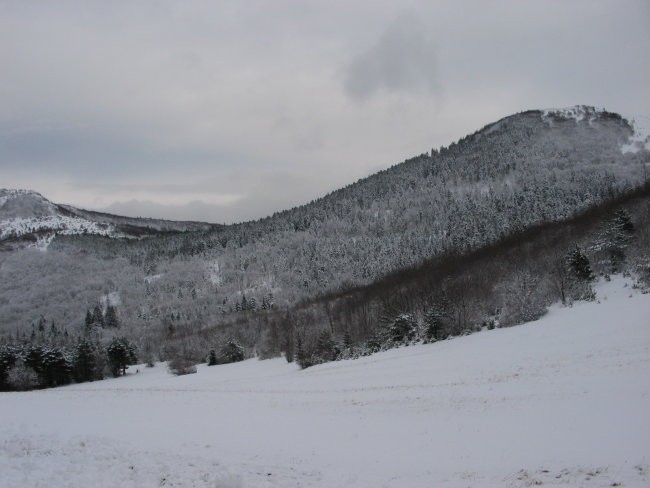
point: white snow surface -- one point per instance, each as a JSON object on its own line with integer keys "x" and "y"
{"x": 562, "y": 401}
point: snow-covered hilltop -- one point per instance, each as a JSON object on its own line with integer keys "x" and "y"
{"x": 640, "y": 125}
{"x": 29, "y": 218}
{"x": 577, "y": 113}
{"x": 27, "y": 213}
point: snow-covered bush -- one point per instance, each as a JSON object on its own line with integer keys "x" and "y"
{"x": 181, "y": 365}
{"x": 22, "y": 377}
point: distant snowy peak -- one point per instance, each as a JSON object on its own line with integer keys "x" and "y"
{"x": 28, "y": 213}
{"x": 24, "y": 204}
{"x": 28, "y": 217}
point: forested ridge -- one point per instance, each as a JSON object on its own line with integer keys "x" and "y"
{"x": 279, "y": 276}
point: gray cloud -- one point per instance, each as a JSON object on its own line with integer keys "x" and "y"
{"x": 233, "y": 197}
{"x": 194, "y": 210}
{"x": 403, "y": 59}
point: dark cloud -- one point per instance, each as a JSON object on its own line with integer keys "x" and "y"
{"x": 403, "y": 59}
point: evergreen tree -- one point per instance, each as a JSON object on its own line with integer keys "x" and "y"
{"x": 33, "y": 356}
{"x": 212, "y": 358}
{"x": 347, "y": 339}
{"x": 120, "y": 353}
{"x": 54, "y": 332}
{"x": 579, "y": 265}
{"x": 401, "y": 328}
{"x": 98, "y": 316}
{"x": 110, "y": 319}
{"x": 619, "y": 233}
{"x": 289, "y": 353}
{"x": 434, "y": 323}
{"x": 84, "y": 362}
{"x": 41, "y": 326}
{"x": 325, "y": 349}
{"x": 623, "y": 224}
{"x": 579, "y": 276}
{"x": 301, "y": 357}
{"x": 57, "y": 367}
{"x": 170, "y": 331}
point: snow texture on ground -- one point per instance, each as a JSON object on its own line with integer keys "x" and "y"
{"x": 562, "y": 401}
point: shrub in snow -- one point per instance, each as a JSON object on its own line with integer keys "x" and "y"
{"x": 180, "y": 365}
{"x": 231, "y": 352}
{"x": 22, "y": 377}
{"x": 400, "y": 329}
{"x": 8, "y": 357}
{"x": 373, "y": 344}
{"x": 524, "y": 298}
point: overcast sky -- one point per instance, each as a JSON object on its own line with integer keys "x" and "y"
{"x": 227, "y": 111}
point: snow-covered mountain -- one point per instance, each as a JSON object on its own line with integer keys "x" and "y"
{"x": 525, "y": 171}
{"x": 27, "y": 217}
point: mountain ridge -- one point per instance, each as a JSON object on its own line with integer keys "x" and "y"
{"x": 521, "y": 171}
{"x": 29, "y": 218}
{"x": 638, "y": 140}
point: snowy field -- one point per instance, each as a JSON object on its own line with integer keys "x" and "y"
{"x": 564, "y": 401}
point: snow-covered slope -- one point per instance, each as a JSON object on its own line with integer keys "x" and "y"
{"x": 563, "y": 401}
